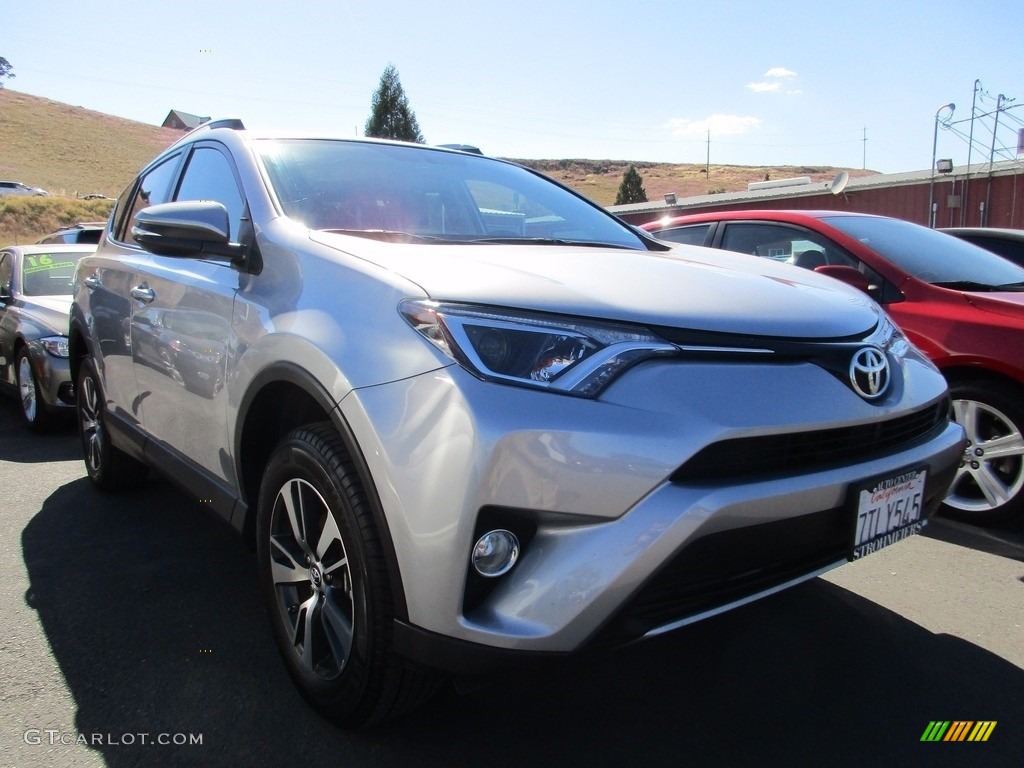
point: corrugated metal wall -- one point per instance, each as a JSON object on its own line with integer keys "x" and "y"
{"x": 1001, "y": 196}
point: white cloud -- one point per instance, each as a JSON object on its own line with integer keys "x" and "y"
{"x": 779, "y": 72}
{"x": 763, "y": 87}
{"x": 719, "y": 125}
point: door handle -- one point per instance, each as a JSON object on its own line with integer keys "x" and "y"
{"x": 143, "y": 293}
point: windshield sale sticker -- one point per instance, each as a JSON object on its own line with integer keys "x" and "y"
{"x": 47, "y": 266}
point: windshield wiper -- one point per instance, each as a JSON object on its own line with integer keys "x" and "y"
{"x": 388, "y": 235}
{"x": 540, "y": 241}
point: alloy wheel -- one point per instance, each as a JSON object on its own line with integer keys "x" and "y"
{"x": 312, "y": 579}
{"x": 991, "y": 471}
{"x": 27, "y": 390}
{"x": 90, "y": 425}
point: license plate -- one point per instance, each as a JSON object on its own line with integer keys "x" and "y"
{"x": 888, "y": 510}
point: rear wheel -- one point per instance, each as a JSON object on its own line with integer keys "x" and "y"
{"x": 327, "y": 588}
{"x": 989, "y": 485}
{"x": 108, "y": 467}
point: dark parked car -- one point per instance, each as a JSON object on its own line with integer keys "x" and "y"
{"x": 35, "y": 296}
{"x": 1008, "y": 243}
{"x": 963, "y": 306}
{"x": 466, "y": 416}
{"x": 87, "y": 232}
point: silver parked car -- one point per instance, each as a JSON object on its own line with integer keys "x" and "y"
{"x": 35, "y": 296}
{"x": 19, "y": 189}
{"x": 467, "y": 416}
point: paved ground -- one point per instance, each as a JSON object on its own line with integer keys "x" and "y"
{"x": 137, "y": 614}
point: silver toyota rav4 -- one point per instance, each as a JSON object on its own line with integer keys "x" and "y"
{"x": 467, "y": 417}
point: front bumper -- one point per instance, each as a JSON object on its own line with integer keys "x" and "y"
{"x": 620, "y": 544}
{"x": 53, "y": 375}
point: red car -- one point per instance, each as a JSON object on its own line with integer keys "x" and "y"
{"x": 962, "y": 305}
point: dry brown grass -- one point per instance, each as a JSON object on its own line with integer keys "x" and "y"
{"x": 26, "y": 219}
{"x": 72, "y": 151}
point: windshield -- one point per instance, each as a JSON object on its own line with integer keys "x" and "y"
{"x": 931, "y": 256}
{"x": 48, "y": 274}
{"x": 392, "y": 192}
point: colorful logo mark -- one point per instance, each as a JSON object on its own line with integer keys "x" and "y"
{"x": 958, "y": 730}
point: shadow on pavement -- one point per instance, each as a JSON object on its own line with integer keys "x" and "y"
{"x": 18, "y": 444}
{"x": 151, "y": 609}
{"x": 1002, "y": 541}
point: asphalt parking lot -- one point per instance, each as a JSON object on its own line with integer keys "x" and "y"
{"x": 131, "y": 634}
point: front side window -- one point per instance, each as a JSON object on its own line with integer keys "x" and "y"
{"x": 6, "y": 267}
{"x": 393, "y": 192}
{"x": 208, "y": 176}
{"x": 780, "y": 242}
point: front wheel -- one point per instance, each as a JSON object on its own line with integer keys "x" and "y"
{"x": 989, "y": 485}
{"x": 33, "y": 409}
{"x": 323, "y": 575}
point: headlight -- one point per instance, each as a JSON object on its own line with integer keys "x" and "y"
{"x": 56, "y": 345}
{"x": 563, "y": 354}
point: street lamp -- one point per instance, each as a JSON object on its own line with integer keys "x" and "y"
{"x": 935, "y": 141}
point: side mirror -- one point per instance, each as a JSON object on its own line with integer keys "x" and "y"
{"x": 188, "y": 228}
{"x": 849, "y": 275}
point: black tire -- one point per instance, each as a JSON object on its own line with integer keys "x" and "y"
{"x": 989, "y": 486}
{"x": 323, "y": 575}
{"x": 33, "y": 410}
{"x": 108, "y": 467}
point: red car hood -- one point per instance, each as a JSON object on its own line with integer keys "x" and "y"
{"x": 1008, "y": 303}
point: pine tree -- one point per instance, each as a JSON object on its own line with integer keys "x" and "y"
{"x": 631, "y": 190}
{"x": 390, "y": 116}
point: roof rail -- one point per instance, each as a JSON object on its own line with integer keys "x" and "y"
{"x": 234, "y": 123}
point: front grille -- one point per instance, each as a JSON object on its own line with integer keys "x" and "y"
{"x": 721, "y": 568}
{"x": 804, "y": 451}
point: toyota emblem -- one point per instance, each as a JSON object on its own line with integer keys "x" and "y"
{"x": 869, "y": 373}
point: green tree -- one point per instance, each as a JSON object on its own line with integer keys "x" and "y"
{"x": 5, "y": 70}
{"x": 631, "y": 190}
{"x": 390, "y": 116}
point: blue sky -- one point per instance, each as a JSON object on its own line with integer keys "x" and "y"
{"x": 795, "y": 83}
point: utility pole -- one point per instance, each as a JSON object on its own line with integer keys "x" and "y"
{"x": 707, "y": 163}
{"x": 864, "y": 162}
{"x": 970, "y": 146}
{"x": 991, "y": 158}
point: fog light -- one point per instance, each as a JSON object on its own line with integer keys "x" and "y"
{"x": 495, "y": 553}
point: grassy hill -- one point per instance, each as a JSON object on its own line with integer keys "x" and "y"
{"x": 599, "y": 179}
{"x": 71, "y": 151}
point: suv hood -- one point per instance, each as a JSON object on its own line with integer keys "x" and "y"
{"x": 687, "y": 287}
